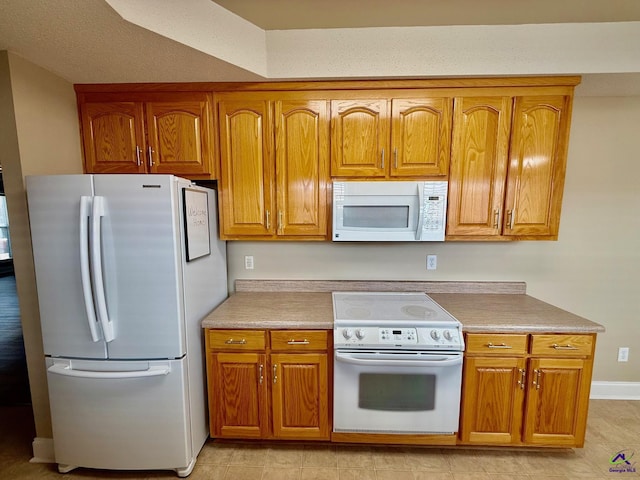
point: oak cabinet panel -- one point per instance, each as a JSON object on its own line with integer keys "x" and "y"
{"x": 558, "y": 401}
{"x": 507, "y": 167}
{"x": 539, "y": 397}
{"x": 133, "y": 133}
{"x": 258, "y": 393}
{"x": 274, "y": 167}
{"x": 113, "y": 137}
{"x": 478, "y": 165}
{"x": 238, "y": 391}
{"x": 246, "y": 169}
{"x": 390, "y": 137}
{"x": 300, "y": 395}
{"x": 493, "y": 399}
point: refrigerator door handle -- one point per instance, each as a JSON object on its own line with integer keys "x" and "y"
{"x": 85, "y": 273}
{"x": 97, "y": 212}
{"x": 67, "y": 371}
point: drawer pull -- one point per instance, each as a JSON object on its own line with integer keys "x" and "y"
{"x": 502, "y": 345}
{"x": 231, "y": 341}
{"x": 298, "y": 342}
{"x": 564, "y": 347}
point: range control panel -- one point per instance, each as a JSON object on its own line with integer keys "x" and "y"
{"x": 431, "y": 337}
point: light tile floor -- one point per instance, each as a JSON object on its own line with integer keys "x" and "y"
{"x": 612, "y": 426}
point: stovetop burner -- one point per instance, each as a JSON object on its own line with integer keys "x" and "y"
{"x": 405, "y": 320}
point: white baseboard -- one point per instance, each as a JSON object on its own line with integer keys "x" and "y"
{"x": 615, "y": 391}
{"x": 43, "y": 450}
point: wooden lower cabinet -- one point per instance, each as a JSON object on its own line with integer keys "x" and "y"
{"x": 526, "y": 395}
{"x": 279, "y": 390}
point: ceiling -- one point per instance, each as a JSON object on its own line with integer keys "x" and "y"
{"x": 88, "y": 41}
{"x": 305, "y": 14}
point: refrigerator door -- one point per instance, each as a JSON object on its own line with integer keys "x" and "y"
{"x": 141, "y": 265}
{"x": 120, "y": 414}
{"x": 67, "y": 315}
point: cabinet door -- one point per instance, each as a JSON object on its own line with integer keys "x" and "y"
{"x": 557, "y": 402}
{"x": 536, "y": 166}
{"x": 302, "y": 166}
{"x": 359, "y": 138}
{"x": 300, "y": 396}
{"x": 493, "y": 396}
{"x": 420, "y": 136}
{"x": 180, "y": 136}
{"x": 237, "y": 388}
{"x": 478, "y": 165}
{"x": 246, "y": 149}
{"x": 113, "y": 137}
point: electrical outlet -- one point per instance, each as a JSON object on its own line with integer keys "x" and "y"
{"x": 623, "y": 354}
{"x": 248, "y": 262}
{"x": 432, "y": 262}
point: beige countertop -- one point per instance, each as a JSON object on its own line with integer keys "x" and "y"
{"x": 478, "y": 312}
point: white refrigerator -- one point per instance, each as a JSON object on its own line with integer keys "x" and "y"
{"x": 126, "y": 268}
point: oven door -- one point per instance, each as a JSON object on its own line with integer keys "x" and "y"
{"x": 396, "y": 392}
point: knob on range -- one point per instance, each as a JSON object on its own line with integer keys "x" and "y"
{"x": 447, "y": 335}
{"x": 435, "y": 334}
{"x": 347, "y": 333}
{"x": 360, "y": 333}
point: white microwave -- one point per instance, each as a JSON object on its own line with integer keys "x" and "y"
{"x": 388, "y": 211}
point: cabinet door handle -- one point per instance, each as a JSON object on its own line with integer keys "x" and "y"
{"x": 150, "y": 151}
{"x": 522, "y": 380}
{"x": 275, "y": 373}
{"x": 261, "y": 376}
{"x": 138, "y": 155}
{"x": 395, "y": 158}
{"x": 231, "y": 341}
{"x": 268, "y": 215}
{"x": 298, "y": 342}
{"x": 536, "y": 380}
{"x": 502, "y": 345}
{"x": 496, "y": 218}
{"x": 382, "y": 162}
{"x": 563, "y": 347}
{"x": 279, "y": 221}
{"x": 510, "y": 219}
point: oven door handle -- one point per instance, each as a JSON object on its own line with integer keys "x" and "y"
{"x": 399, "y": 360}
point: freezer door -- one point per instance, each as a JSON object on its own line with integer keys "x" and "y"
{"x": 120, "y": 414}
{"x": 67, "y": 320}
{"x": 141, "y": 265}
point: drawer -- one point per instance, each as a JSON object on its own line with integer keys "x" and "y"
{"x": 562, "y": 345}
{"x": 298, "y": 340}
{"x": 234, "y": 340}
{"x": 496, "y": 344}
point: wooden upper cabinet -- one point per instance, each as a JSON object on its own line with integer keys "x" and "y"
{"x": 148, "y": 133}
{"x": 359, "y": 138}
{"x": 420, "y": 137}
{"x": 180, "y": 137}
{"x": 113, "y": 137}
{"x": 302, "y": 166}
{"x": 507, "y": 167}
{"x": 274, "y": 166}
{"x": 479, "y": 159}
{"x": 537, "y": 165}
{"x": 246, "y": 167}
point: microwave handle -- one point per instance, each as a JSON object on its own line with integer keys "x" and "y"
{"x": 420, "y": 211}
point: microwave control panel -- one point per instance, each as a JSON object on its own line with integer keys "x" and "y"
{"x": 434, "y": 207}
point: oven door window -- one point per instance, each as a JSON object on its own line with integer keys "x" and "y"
{"x": 396, "y": 392}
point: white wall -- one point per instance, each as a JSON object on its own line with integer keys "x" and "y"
{"x": 592, "y": 270}
{"x": 40, "y": 135}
